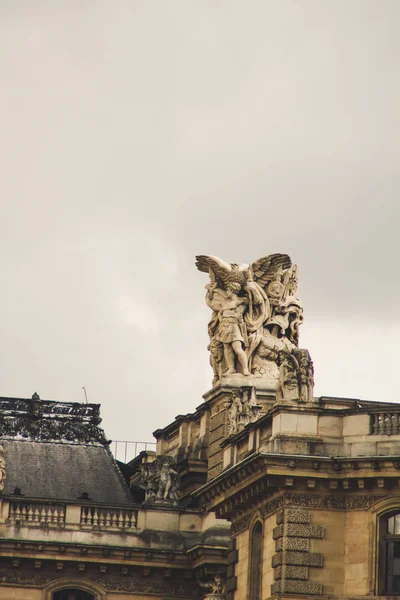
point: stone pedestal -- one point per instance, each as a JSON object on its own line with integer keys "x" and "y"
{"x": 217, "y": 400}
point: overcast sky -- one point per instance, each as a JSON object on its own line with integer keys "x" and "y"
{"x": 136, "y": 134}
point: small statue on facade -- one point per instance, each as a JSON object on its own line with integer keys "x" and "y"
{"x": 167, "y": 479}
{"x": 256, "y": 314}
{"x": 242, "y": 409}
{"x": 3, "y": 474}
{"x": 159, "y": 480}
{"x": 296, "y": 377}
{"x": 216, "y": 586}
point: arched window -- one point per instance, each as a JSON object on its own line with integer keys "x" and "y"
{"x": 255, "y": 571}
{"x": 73, "y": 595}
{"x": 389, "y": 554}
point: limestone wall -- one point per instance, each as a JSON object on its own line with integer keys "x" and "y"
{"x": 331, "y": 547}
{"x": 268, "y": 552}
{"x": 242, "y": 567}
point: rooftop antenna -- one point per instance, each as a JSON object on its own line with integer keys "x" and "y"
{"x": 84, "y": 389}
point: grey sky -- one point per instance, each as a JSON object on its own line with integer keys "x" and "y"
{"x": 138, "y": 134}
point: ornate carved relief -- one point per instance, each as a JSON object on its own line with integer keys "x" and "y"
{"x": 216, "y": 587}
{"x": 296, "y": 377}
{"x": 339, "y": 502}
{"x": 25, "y": 579}
{"x": 242, "y": 409}
{"x": 241, "y": 523}
{"x": 148, "y": 586}
{"x": 159, "y": 480}
{"x": 42, "y": 420}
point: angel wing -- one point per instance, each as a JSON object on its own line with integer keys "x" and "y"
{"x": 264, "y": 268}
{"x": 218, "y": 269}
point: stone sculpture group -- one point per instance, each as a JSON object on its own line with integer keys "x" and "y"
{"x": 159, "y": 480}
{"x": 242, "y": 409}
{"x": 254, "y": 328}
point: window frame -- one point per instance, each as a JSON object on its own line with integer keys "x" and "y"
{"x": 65, "y": 583}
{"x": 253, "y": 592}
{"x": 384, "y": 539}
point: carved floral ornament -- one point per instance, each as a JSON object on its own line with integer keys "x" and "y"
{"x": 256, "y": 316}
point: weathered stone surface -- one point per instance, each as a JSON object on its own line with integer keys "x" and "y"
{"x": 306, "y": 531}
{"x": 289, "y": 586}
{"x": 297, "y": 544}
{"x": 294, "y": 515}
{"x": 292, "y": 573}
{"x": 303, "y": 559}
{"x": 277, "y": 532}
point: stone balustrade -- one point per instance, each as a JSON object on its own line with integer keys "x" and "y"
{"x": 104, "y": 517}
{"x": 385, "y": 423}
{"x": 37, "y": 513}
{"x": 31, "y": 513}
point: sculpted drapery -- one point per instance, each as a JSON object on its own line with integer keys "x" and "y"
{"x": 255, "y": 314}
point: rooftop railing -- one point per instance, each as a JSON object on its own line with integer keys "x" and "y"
{"x": 126, "y": 451}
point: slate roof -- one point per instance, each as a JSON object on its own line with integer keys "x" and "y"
{"x": 62, "y": 469}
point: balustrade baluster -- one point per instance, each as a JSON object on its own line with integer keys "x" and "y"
{"x": 381, "y": 417}
{"x": 30, "y": 513}
{"x": 108, "y": 517}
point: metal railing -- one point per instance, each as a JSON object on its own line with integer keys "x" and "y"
{"x": 129, "y": 450}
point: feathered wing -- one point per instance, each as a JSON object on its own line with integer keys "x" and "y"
{"x": 264, "y": 268}
{"x": 214, "y": 267}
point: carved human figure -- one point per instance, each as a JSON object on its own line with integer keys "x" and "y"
{"x": 288, "y": 384}
{"x": 159, "y": 480}
{"x": 296, "y": 376}
{"x": 305, "y": 375}
{"x": 216, "y": 587}
{"x": 231, "y": 331}
{"x": 251, "y": 305}
{"x": 148, "y": 481}
{"x": 234, "y": 406}
{"x": 166, "y": 484}
{"x": 242, "y": 409}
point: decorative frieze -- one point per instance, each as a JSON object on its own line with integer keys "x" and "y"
{"x": 149, "y": 586}
{"x": 332, "y": 501}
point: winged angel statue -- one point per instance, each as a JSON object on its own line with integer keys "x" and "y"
{"x": 256, "y": 314}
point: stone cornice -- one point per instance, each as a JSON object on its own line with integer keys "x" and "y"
{"x": 261, "y": 474}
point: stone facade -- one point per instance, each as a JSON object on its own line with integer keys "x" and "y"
{"x": 263, "y": 491}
